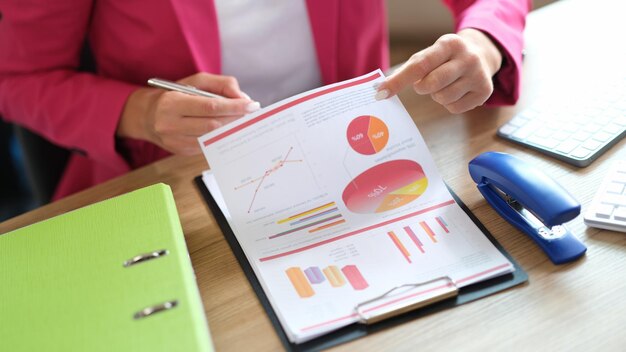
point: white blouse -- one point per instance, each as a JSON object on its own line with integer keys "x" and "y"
{"x": 268, "y": 46}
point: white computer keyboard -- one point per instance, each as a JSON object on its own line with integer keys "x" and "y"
{"x": 575, "y": 128}
{"x": 608, "y": 209}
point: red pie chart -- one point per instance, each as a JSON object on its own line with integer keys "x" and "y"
{"x": 367, "y": 134}
{"x": 384, "y": 187}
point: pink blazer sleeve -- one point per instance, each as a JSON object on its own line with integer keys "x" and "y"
{"x": 40, "y": 89}
{"x": 503, "y": 21}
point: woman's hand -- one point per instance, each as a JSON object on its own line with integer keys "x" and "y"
{"x": 174, "y": 120}
{"x": 456, "y": 71}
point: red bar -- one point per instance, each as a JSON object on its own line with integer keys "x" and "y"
{"x": 288, "y": 105}
{"x": 356, "y": 232}
{"x": 354, "y": 277}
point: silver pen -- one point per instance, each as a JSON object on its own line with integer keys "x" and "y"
{"x": 169, "y": 85}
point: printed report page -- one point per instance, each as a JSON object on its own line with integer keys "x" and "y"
{"x": 335, "y": 199}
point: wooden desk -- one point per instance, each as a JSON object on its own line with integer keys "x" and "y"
{"x": 578, "y": 306}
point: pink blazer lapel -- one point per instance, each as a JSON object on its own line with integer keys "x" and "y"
{"x": 323, "y": 15}
{"x": 198, "y": 22}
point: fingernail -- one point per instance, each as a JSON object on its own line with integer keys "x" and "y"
{"x": 254, "y": 106}
{"x": 382, "y": 94}
{"x": 244, "y": 95}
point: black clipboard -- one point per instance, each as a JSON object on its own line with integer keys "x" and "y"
{"x": 355, "y": 331}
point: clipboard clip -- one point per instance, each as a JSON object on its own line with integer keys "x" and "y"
{"x": 404, "y": 298}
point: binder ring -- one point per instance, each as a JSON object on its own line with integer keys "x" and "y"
{"x": 146, "y": 256}
{"x": 449, "y": 290}
{"x": 146, "y": 312}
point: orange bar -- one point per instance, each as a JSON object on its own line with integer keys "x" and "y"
{"x": 327, "y": 226}
{"x": 299, "y": 282}
{"x": 429, "y": 232}
{"x": 334, "y": 276}
{"x": 398, "y": 244}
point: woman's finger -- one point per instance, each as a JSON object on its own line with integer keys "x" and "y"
{"x": 439, "y": 78}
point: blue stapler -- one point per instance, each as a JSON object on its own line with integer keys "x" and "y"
{"x": 531, "y": 201}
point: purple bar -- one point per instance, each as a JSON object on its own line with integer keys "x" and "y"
{"x": 314, "y": 216}
{"x": 314, "y": 274}
{"x": 414, "y": 238}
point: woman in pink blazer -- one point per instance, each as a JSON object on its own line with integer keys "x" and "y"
{"x": 114, "y": 123}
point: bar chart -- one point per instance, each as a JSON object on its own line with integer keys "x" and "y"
{"x": 303, "y": 281}
{"x": 313, "y": 220}
{"x": 415, "y": 235}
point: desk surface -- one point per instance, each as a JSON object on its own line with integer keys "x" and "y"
{"x": 581, "y": 305}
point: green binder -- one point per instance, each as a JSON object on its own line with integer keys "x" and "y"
{"x": 112, "y": 276}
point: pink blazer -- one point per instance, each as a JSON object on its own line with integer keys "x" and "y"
{"x": 40, "y": 43}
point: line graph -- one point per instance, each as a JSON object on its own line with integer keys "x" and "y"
{"x": 267, "y": 173}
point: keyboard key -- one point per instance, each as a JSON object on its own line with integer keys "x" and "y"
{"x": 544, "y": 132}
{"x": 593, "y": 127}
{"x": 604, "y": 211}
{"x": 602, "y": 136}
{"x": 507, "y": 129}
{"x": 595, "y": 112}
{"x": 613, "y": 113}
{"x": 620, "y": 120}
{"x": 613, "y": 129}
{"x": 523, "y": 132}
{"x": 544, "y": 142}
{"x": 619, "y": 177}
{"x": 571, "y": 127}
{"x": 620, "y": 214}
{"x": 601, "y": 118}
{"x": 614, "y": 199}
{"x": 591, "y": 144}
{"x": 580, "y": 153}
{"x": 567, "y": 146}
{"x": 554, "y": 125}
{"x": 614, "y": 187}
{"x": 561, "y": 135}
{"x": 518, "y": 121}
{"x": 581, "y": 136}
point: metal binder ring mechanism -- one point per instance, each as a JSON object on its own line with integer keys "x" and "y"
{"x": 146, "y": 312}
{"x": 145, "y": 257}
{"x": 404, "y": 298}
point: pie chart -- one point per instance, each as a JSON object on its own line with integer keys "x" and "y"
{"x": 367, "y": 135}
{"x": 384, "y": 187}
